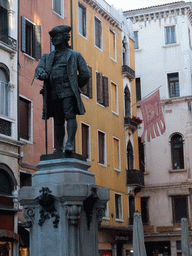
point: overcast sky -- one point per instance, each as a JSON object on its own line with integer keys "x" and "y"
{"x": 136, "y": 4}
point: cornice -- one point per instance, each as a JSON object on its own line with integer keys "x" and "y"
{"x": 160, "y": 12}
{"x": 104, "y": 12}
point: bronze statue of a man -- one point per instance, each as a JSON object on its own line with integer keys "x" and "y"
{"x": 64, "y": 71}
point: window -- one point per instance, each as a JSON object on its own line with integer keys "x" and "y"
{"x": 138, "y": 89}
{"x": 25, "y": 179}
{"x": 112, "y": 44}
{"x": 31, "y": 38}
{"x": 98, "y": 33}
{"x": 25, "y": 107}
{"x": 4, "y": 93}
{"x": 85, "y": 144}
{"x": 136, "y": 44}
{"x": 4, "y": 23}
{"x": 106, "y": 214}
{"x": 130, "y": 162}
{"x": 114, "y": 98}
{"x": 170, "y": 35}
{"x": 177, "y": 152}
{"x": 116, "y": 151}
{"x": 173, "y": 84}
{"x": 180, "y": 208}
{"x": 118, "y": 207}
{"x": 102, "y": 89}
{"x": 131, "y": 209}
{"x": 102, "y": 147}
{"x": 127, "y": 98}
{"x": 82, "y": 20}
{"x": 87, "y": 89}
{"x": 57, "y": 7}
{"x": 141, "y": 156}
{"x": 145, "y": 210}
{"x": 178, "y": 247}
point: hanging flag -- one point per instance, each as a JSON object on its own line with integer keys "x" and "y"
{"x": 152, "y": 116}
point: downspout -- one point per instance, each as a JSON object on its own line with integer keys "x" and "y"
{"x": 71, "y": 2}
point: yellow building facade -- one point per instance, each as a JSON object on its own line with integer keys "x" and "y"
{"x": 102, "y": 134}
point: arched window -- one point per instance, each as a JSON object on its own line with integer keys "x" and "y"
{"x": 177, "y": 152}
{"x": 4, "y": 91}
{"x": 130, "y": 163}
{"x": 127, "y": 96}
{"x": 7, "y": 180}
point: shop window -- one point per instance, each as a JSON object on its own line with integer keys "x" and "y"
{"x": 85, "y": 140}
{"x": 82, "y": 20}
{"x": 114, "y": 98}
{"x": 180, "y": 208}
{"x": 127, "y": 99}
{"x": 177, "y": 152}
{"x": 25, "y": 115}
{"x": 102, "y": 89}
{"x": 136, "y": 44}
{"x": 145, "y": 209}
{"x": 105, "y": 252}
{"x": 31, "y": 38}
{"x": 98, "y": 33}
{"x": 138, "y": 89}
{"x": 173, "y": 84}
{"x": 141, "y": 155}
{"x": 131, "y": 209}
{"x": 87, "y": 89}
{"x": 170, "y": 35}
{"x": 6, "y": 248}
{"x": 130, "y": 158}
{"x": 25, "y": 179}
{"x": 102, "y": 147}
{"x": 118, "y": 207}
{"x": 116, "y": 151}
{"x": 112, "y": 44}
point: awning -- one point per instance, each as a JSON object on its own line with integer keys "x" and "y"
{"x": 9, "y": 234}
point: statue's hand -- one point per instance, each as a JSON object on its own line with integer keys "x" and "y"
{"x": 44, "y": 76}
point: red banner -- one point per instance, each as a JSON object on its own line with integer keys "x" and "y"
{"x": 152, "y": 116}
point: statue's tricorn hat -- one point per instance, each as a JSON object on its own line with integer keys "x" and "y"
{"x": 60, "y": 29}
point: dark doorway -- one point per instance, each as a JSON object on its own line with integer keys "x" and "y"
{"x": 156, "y": 248}
{"x": 119, "y": 249}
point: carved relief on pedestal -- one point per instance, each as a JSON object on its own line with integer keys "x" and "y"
{"x": 100, "y": 213}
{"x": 73, "y": 213}
{"x": 29, "y": 216}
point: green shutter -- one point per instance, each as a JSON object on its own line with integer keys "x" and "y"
{"x": 37, "y": 41}
{"x": 23, "y": 34}
{"x": 99, "y": 88}
{"x": 105, "y": 91}
{"x": 90, "y": 84}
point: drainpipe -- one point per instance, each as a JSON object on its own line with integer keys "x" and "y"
{"x": 71, "y": 2}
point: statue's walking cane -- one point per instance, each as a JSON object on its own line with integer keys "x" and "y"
{"x": 45, "y": 106}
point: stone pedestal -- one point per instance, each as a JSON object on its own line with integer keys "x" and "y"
{"x": 63, "y": 207}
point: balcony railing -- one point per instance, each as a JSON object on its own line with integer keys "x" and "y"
{"x": 128, "y": 72}
{"x": 135, "y": 178}
{"x": 11, "y": 42}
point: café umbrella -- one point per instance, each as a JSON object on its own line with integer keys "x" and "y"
{"x": 138, "y": 236}
{"x": 184, "y": 237}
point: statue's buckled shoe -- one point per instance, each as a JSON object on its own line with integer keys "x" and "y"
{"x": 69, "y": 148}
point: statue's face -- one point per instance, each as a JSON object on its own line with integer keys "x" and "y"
{"x": 57, "y": 39}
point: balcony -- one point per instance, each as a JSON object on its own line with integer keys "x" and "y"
{"x": 8, "y": 43}
{"x": 131, "y": 123}
{"x": 128, "y": 72}
{"x": 135, "y": 178}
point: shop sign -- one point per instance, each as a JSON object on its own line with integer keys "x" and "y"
{"x": 122, "y": 238}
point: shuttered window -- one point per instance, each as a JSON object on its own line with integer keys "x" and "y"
{"x": 87, "y": 89}
{"x": 24, "y": 118}
{"x": 102, "y": 89}
{"x": 101, "y": 147}
{"x": 30, "y": 38}
{"x": 85, "y": 140}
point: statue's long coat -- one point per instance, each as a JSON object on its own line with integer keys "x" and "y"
{"x": 75, "y": 62}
